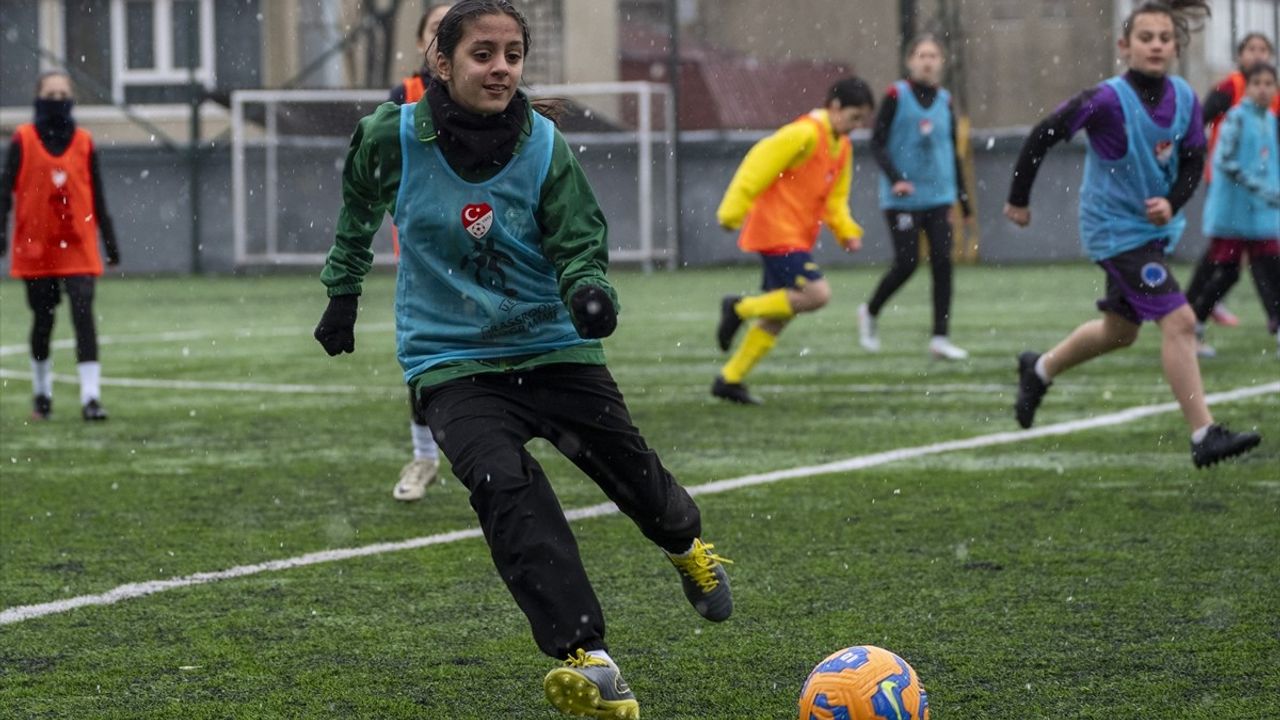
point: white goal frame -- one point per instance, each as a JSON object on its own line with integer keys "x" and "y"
{"x": 657, "y": 246}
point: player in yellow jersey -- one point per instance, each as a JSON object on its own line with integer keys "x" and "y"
{"x": 788, "y": 185}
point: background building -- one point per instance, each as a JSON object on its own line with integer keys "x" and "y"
{"x": 145, "y": 54}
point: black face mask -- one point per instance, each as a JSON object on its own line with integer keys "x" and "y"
{"x": 53, "y": 113}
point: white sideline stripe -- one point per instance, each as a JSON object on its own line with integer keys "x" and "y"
{"x": 177, "y": 335}
{"x": 136, "y": 590}
{"x": 683, "y": 390}
{"x": 6, "y": 350}
{"x": 209, "y": 385}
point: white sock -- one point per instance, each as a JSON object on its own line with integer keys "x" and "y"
{"x": 1041, "y": 372}
{"x": 42, "y": 377}
{"x": 90, "y": 381}
{"x": 424, "y": 445}
{"x": 1198, "y": 435}
{"x": 602, "y": 655}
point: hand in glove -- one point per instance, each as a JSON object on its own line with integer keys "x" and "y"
{"x": 593, "y": 312}
{"x": 336, "y": 331}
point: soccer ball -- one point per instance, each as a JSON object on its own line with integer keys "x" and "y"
{"x": 863, "y": 683}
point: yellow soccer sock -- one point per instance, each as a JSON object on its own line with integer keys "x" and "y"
{"x": 770, "y": 306}
{"x": 754, "y": 347}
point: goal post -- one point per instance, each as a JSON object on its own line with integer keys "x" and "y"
{"x": 288, "y": 148}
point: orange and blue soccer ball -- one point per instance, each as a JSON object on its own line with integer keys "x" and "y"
{"x": 863, "y": 683}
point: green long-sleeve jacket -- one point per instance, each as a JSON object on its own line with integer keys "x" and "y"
{"x": 575, "y": 234}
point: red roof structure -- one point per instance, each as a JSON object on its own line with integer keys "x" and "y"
{"x": 720, "y": 90}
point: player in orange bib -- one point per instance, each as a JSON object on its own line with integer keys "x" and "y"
{"x": 424, "y": 469}
{"x": 788, "y": 185}
{"x": 412, "y": 88}
{"x": 51, "y": 175}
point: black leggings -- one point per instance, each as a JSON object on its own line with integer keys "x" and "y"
{"x": 1216, "y": 279}
{"x": 43, "y": 295}
{"x": 905, "y": 227}
{"x": 483, "y": 422}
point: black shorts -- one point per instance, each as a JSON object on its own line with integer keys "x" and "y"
{"x": 1140, "y": 286}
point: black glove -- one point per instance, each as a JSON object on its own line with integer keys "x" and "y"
{"x": 593, "y": 312}
{"x": 336, "y": 331}
{"x": 113, "y": 254}
{"x": 109, "y": 241}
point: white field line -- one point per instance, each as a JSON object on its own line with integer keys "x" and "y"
{"x": 681, "y": 390}
{"x": 136, "y": 590}
{"x": 180, "y": 335}
{"x": 212, "y": 385}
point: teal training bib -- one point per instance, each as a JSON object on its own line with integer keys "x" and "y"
{"x": 473, "y": 282}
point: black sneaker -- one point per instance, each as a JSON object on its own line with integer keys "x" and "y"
{"x": 93, "y": 411}
{"x": 1220, "y": 443}
{"x": 729, "y": 321}
{"x": 1031, "y": 389}
{"x": 41, "y": 407}
{"x": 733, "y": 392}
{"x": 706, "y": 584}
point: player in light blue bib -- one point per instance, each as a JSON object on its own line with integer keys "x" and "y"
{"x": 1145, "y": 159}
{"x": 915, "y": 145}
{"x": 1242, "y": 212}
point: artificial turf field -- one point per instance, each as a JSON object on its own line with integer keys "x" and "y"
{"x": 1090, "y": 574}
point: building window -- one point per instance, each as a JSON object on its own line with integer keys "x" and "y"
{"x": 158, "y": 43}
{"x": 546, "y": 26}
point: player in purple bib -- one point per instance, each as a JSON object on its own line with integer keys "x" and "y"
{"x": 1146, "y": 155}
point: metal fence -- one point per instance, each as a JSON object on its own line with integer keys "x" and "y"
{"x": 148, "y": 197}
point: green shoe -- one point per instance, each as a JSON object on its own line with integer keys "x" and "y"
{"x": 706, "y": 584}
{"x": 587, "y": 686}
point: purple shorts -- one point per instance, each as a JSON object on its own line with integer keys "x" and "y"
{"x": 1140, "y": 286}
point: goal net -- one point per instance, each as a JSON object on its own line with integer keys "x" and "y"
{"x": 288, "y": 148}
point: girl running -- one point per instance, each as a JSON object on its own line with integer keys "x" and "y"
{"x": 787, "y": 185}
{"x": 501, "y": 298}
{"x": 424, "y": 469}
{"x": 52, "y": 172}
{"x": 1242, "y": 212}
{"x": 1145, "y": 158}
{"x": 921, "y": 179}
{"x": 1254, "y": 49}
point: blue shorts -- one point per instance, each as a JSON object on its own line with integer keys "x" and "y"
{"x": 1140, "y": 286}
{"x": 789, "y": 270}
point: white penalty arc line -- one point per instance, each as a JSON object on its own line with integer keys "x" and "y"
{"x": 130, "y": 591}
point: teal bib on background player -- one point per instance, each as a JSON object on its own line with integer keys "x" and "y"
{"x": 1231, "y": 211}
{"x": 473, "y": 282}
{"x": 922, "y": 146}
{"x": 1113, "y": 196}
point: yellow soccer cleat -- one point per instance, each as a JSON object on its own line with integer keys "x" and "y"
{"x": 588, "y": 686}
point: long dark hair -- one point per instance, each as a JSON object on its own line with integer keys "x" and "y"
{"x": 922, "y": 38}
{"x": 454, "y": 25}
{"x": 1244, "y": 42}
{"x": 1185, "y": 14}
{"x": 422, "y": 21}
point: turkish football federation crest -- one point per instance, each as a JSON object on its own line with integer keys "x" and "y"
{"x": 926, "y": 127}
{"x": 485, "y": 258}
{"x": 477, "y": 218}
{"x": 1164, "y": 152}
